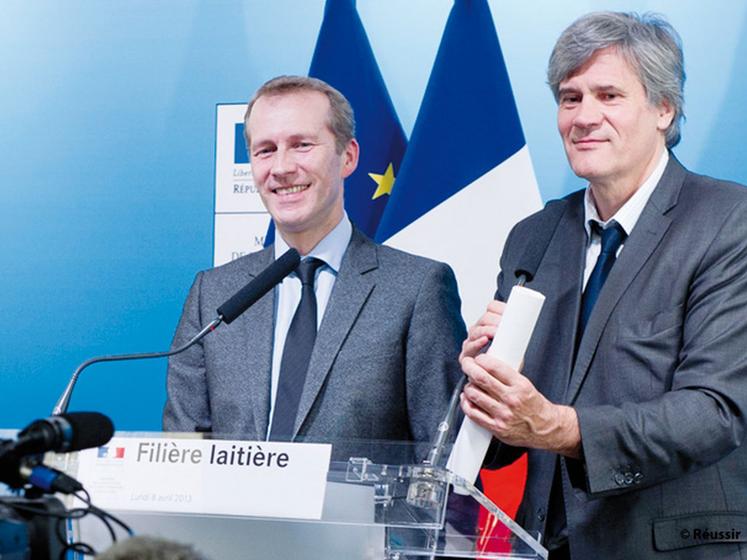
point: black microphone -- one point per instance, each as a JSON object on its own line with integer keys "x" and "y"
{"x": 532, "y": 256}
{"x": 64, "y": 433}
{"x": 259, "y": 286}
{"x": 20, "y": 459}
{"x": 230, "y": 310}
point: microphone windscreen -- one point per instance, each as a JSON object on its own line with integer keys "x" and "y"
{"x": 89, "y": 429}
{"x": 259, "y": 286}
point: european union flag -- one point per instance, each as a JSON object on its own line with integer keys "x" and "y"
{"x": 344, "y": 59}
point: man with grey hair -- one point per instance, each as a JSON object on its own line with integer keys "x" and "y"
{"x": 361, "y": 342}
{"x": 632, "y": 400}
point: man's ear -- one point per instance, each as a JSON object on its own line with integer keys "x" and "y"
{"x": 350, "y": 158}
{"x": 666, "y": 115}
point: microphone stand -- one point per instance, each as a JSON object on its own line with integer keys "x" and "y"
{"x": 444, "y": 428}
{"x": 424, "y": 491}
{"x": 64, "y": 400}
{"x": 230, "y": 310}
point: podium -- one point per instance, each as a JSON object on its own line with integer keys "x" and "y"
{"x": 379, "y": 503}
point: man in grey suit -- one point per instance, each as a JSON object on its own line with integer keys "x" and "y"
{"x": 383, "y": 348}
{"x": 632, "y": 400}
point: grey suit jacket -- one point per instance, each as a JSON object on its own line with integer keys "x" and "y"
{"x": 383, "y": 366}
{"x": 659, "y": 379}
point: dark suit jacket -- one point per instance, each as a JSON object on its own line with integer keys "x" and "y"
{"x": 659, "y": 380}
{"x": 383, "y": 366}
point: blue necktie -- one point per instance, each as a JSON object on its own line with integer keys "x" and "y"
{"x": 612, "y": 238}
{"x": 296, "y": 354}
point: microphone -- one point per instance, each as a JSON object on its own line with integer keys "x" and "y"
{"x": 532, "y": 256}
{"x": 227, "y": 312}
{"x": 19, "y": 459}
{"x": 259, "y": 286}
{"x": 64, "y": 433}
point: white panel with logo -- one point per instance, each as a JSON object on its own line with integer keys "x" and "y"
{"x": 240, "y": 218}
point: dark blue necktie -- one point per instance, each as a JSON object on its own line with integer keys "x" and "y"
{"x": 612, "y": 238}
{"x": 296, "y": 354}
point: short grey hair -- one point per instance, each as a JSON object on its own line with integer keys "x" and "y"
{"x": 341, "y": 117}
{"x": 649, "y": 43}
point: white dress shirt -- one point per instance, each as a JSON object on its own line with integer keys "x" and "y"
{"x": 288, "y": 293}
{"x": 626, "y": 216}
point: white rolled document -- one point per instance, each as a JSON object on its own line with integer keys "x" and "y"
{"x": 509, "y": 345}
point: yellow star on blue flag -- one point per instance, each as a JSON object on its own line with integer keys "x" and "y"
{"x": 343, "y": 44}
{"x": 385, "y": 182}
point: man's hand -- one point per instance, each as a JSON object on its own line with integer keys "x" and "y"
{"x": 505, "y": 402}
{"x": 481, "y": 333}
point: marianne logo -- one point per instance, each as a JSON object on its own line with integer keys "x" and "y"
{"x": 111, "y": 452}
{"x": 240, "y": 155}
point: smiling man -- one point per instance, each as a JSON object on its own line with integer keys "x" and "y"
{"x": 361, "y": 342}
{"x": 632, "y": 400}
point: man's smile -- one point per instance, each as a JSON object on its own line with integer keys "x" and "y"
{"x": 291, "y": 189}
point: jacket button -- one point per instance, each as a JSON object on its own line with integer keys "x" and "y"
{"x": 540, "y": 514}
{"x": 628, "y": 478}
{"x": 619, "y": 479}
{"x": 638, "y": 477}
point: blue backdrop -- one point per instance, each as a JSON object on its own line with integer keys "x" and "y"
{"x": 107, "y": 156}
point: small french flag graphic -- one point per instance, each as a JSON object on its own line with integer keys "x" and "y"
{"x": 111, "y": 452}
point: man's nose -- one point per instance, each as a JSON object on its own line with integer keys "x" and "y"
{"x": 283, "y": 163}
{"x": 588, "y": 114}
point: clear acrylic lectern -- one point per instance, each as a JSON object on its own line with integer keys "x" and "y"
{"x": 379, "y": 503}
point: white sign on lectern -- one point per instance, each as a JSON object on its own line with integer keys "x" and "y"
{"x": 265, "y": 479}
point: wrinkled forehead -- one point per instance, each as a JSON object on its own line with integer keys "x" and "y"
{"x": 613, "y": 65}
{"x": 612, "y": 59}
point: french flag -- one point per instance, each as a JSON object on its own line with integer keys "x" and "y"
{"x": 465, "y": 180}
{"x": 466, "y": 177}
{"x": 106, "y": 452}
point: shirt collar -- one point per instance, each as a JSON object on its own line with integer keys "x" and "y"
{"x": 330, "y": 249}
{"x": 628, "y": 214}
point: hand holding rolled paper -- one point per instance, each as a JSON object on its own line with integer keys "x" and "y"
{"x": 482, "y": 332}
{"x": 517, "y": 322}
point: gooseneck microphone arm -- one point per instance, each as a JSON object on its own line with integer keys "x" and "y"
{"x": 444, "y": 428}
{"x": 230, "y": 310}
{"x": 524, "y": 272}
{"x": 64, "y": 400}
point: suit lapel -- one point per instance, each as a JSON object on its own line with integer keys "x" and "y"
{"x": 256, "y": 328}
{"x": 566, "y": 255}
{"x": 645, "y": 237}
{"x": 351, "y": 290}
